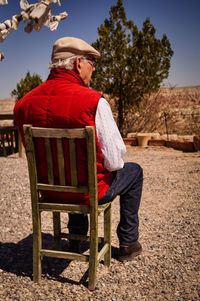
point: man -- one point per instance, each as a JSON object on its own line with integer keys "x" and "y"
{"x": 66, "y": 101}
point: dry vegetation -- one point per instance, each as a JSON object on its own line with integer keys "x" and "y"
{"x": 182, "y": 108}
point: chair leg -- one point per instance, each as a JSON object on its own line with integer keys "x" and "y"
{"x": 93, "y": 259}
{"x": 57, "y": 229}
{"x": 93, "y": 262}
{"x": 107, "y": 234}
{"x": 37, "y": 244}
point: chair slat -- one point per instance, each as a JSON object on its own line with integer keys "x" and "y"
{"x": 64, "y": 207}
{"x": 58, "y": 133}
{"x": 103, "y": 251}
{"x": 59, "y": 188}
{"x": 49, "y": 161}
{"x": 61, "y": 163}
{"x": 81, "y": 237}
{"x": 64, "y": 255}
{"x": 92, "y": 169}
{"x": 73, "y": 168}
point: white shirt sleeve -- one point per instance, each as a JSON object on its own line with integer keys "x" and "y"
{"x": 112, "y": 145}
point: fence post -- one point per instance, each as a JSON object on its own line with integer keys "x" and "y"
{"x": 20, "y": 146}
{"x": 166, "y": 125}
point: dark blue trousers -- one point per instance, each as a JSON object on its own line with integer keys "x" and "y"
{"x": 127, "y": 183}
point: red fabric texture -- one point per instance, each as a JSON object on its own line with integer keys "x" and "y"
{"x": 63, "y": 102}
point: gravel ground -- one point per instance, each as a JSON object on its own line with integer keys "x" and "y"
{"x": 168, "y": 268}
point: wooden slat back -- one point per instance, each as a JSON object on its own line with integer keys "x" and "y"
{"x": 73, "y": 168}
{"x": 49, "y": 161}
{"x": 71, "y": 134}
{"x": 61, "y": 162}
{"x": 58, "y": 133}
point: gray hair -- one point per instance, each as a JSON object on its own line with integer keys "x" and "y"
{"x": 67, "y": 63}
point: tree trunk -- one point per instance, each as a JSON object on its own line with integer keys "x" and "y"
{"x": 120, "y": 116}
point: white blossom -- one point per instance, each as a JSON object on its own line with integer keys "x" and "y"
{"x": 37, "y": 15}
{"x": 3, "y": 2}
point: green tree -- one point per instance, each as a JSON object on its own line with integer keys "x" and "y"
{"x": 26, "y": 84}
{"x": 134, "y": 62}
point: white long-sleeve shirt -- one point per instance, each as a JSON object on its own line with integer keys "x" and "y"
{"x": 112, "y": 145}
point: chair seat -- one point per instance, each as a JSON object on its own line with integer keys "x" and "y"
{"x": 74, "y": 208}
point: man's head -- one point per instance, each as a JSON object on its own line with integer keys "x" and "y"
{"x": 75, "y": 54}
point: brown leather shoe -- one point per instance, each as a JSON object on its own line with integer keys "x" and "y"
{"x": 129, "y": 252}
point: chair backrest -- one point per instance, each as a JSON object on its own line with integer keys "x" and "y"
{"x": 58, "y": 136}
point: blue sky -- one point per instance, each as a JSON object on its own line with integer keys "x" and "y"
{"x": 178, "y": 19}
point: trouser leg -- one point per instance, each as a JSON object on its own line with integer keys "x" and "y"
{"x": 128, "y": 228}
{"x": 127, "y": 184}
{"x": 78, "y": 224}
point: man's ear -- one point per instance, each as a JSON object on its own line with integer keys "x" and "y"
{"x": 77, "y": 66}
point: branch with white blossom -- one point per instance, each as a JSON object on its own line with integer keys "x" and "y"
{"x": 37, "y": 15}
{"x": 3, "y": 2}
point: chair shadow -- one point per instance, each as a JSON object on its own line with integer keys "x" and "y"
{"x": 16, "y": 258}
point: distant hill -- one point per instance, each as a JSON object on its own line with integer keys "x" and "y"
{"x": 174, "y": 109}
{"x": 6, "y": 107}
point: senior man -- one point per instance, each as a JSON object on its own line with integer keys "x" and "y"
{"x": 65, "y": 100}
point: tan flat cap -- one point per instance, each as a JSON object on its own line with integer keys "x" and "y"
{"x": 67, "y": 47}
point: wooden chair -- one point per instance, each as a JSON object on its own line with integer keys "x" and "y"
{"x": 93, "y": 210}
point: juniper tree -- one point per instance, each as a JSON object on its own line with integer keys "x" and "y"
{"x": 26, "y": 84}
{"x": 134, "y": 62}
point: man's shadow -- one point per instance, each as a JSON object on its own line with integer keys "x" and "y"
{"x": 16, "y": 258}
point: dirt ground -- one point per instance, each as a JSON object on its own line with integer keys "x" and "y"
{"x": 168, "y": 268}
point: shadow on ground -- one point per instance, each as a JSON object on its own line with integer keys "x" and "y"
{"x": 16, "y": 258}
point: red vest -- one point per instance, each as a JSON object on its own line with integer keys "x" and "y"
{"x": 63, "y": 102}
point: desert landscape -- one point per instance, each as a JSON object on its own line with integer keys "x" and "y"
{"x": 170, "y": 117}
{"x": 181, "y": 105}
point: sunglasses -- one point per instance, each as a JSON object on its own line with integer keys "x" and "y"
{"x": 90, "y": 59}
